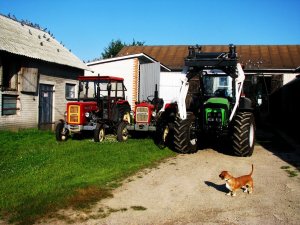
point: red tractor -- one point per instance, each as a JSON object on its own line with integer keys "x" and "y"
{"x": 100, "y": 108}
{"x": 149, "y": 117}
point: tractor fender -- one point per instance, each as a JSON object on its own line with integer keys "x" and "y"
{"x": 245, "y": 104}
{"x": 119, "y": 110}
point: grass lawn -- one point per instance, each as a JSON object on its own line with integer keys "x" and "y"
{"x": 40, "y": 175}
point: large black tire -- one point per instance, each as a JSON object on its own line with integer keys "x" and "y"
{"x": 99, "y": 133}
{"x": 59, "y": 134}
{"x": 243, "y": 136}
{"x": 122, "y": 132}
{"x": 185, "y": 140}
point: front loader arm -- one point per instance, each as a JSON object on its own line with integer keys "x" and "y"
{"x": 239, "y": 81}
{"x": 182, "y": 96}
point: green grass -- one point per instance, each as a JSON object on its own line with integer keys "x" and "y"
{"x": 39, "y": 175}
{"x": 290, "y": 172}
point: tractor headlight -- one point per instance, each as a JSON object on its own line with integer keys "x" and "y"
{"x": 154, "y": 114}
{"x": 87, "y": 114}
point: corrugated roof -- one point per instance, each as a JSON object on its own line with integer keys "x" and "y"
{"x": 253, "y": 57}
{"x": 20, "y": 39}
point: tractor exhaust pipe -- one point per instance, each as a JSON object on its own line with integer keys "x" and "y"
{"x": 156, "y": 92}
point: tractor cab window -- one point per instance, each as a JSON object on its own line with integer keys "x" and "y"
{"x": 217, "y": 86}
{"x": 119, "y": 89}
{"x": 88, "y": 89}
{"x": 116, "y": 89}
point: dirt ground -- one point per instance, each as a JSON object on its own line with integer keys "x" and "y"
{"x": 186, "y": 189}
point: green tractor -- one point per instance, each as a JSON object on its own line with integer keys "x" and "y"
{"x": 218, "y": 108}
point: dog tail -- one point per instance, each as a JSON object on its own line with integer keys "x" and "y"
{"x": 251, "y": 171}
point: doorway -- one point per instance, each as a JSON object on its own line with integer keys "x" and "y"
{"x": 45, "y": 106}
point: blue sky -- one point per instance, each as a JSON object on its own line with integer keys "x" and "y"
{"x": 87, "y": 26}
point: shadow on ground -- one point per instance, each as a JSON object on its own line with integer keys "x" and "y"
{"x": 273, "y": 141}
{"x": 218, "y": 187}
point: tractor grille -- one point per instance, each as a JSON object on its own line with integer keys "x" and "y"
{"x": 142, "y": 114}
{"x": 73, "y": 115}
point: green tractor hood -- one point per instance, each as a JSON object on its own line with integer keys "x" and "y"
{"x": 221, "y": 101}
{"x": 217, "y": 111}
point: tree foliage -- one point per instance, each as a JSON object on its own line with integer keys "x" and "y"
{"x": 115, "y": 46}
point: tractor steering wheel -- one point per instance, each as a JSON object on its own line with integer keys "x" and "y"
{"x": 150, "y": 98}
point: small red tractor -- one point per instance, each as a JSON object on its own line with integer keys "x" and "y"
{"x": 100, "y": 108}
{"x": 149, "y": 116}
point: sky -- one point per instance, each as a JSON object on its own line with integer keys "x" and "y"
{"x": 88, "y": 26}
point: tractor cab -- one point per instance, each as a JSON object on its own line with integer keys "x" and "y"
{"x": 104, "y": 91}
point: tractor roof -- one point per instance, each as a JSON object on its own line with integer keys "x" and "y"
{"x": 100, "y": 78}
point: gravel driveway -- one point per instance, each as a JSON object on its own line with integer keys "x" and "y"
{"x": 187, "y": 190}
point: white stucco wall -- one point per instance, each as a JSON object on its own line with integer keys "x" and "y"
{"x": 170, "y": 83}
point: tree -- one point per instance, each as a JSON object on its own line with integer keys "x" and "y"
{"x": 115, "y": 46}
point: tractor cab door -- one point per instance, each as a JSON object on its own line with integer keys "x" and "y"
{"x": 117, "y": 107}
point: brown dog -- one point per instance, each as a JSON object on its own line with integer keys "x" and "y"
{"x": 232, "y": 184}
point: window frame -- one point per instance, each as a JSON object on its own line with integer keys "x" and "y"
{"x": 69, "y": 92}
{"x": 15, "y": 109}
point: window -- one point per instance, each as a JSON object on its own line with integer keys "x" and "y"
{"x": 70, "y": 91}
{"x": 9, "y": 79}
{"x": 223, "y": 82}
{"x": 9, "y": 105}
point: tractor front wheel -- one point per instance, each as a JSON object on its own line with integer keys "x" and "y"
{"x": 122, "y": 132}
{"x": 99, "y": 133}
{"x": 185, "y": 139}
{"x": 243, "y": 136}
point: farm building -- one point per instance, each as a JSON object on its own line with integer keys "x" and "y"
{"x": 140, "y": 72}
{"x": 37, "y": 76}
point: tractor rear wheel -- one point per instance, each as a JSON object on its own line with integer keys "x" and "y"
{"x": 122, "y": 132}
{"x": 99, "y": 133}
{"x": 185, "y": 139}
{"x": 243, "y": 136}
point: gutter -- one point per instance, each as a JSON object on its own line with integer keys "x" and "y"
{"x": 271, "y": 70}
{"x": 119, "y": 58}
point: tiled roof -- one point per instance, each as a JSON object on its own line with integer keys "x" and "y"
{"x": 253, "y": 57}
{"x": 20, "y": 39}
